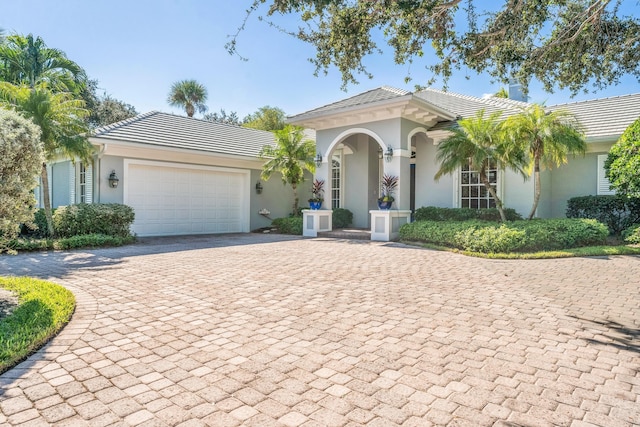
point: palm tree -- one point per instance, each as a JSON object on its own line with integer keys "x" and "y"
{"x": 61, "y": 119}
{"x": 27, "y": 60}
{"x": 477, "y": 142}
{"x": 548, "y": 137}
{"x": 188, "y": 94}
{"x": 291, "y": 156}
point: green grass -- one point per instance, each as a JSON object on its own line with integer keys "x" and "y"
{"x": 44, "y": 308}
{"x": 564, "y": 253}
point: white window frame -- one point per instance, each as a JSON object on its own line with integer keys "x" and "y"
{"x": 457, "y": 187}
{"x": 337, "y": 202}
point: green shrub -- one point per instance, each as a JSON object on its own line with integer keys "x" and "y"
{"x": 83, "y": 241}
{"x": 291, "y": 225}
{"x": 516, "y": 236}
{"x": 491, "y": 239}
{"x": 40, "y": 222}
{"x": 44, "y": 308}
{"x": 109, "y": 219}
{"x": 433, "y": 213}
{"x": 342, "y": 218}
{"x": 616, "y": 212}
{"x": 632, "y": 234}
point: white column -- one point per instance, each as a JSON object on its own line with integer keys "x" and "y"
{"x": 315, "y": 221}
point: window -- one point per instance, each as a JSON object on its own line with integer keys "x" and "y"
{"x": 473, "y": 193}
{"x": 82, "y": 183}
{"x": 336, "y": 180}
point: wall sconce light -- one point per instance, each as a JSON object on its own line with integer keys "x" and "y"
{"x": 380, "y": 152}
{"x": 113, "y": 180}
{"x": 258, "y": 187}
{"x": 318, "y": 159}
{"x": 388, "y": 155}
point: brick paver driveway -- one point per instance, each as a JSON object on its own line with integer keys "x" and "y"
{"x": 277, "y": 331}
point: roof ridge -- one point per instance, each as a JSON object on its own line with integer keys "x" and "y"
{"x": 395, "y": 90}
{"x": 594, "y": 99}
{"x": 115, "y": 125}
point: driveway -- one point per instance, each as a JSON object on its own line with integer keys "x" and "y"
{"x": 266, "y": 330}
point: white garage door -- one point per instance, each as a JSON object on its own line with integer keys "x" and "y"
{"x": 172, "y": 200}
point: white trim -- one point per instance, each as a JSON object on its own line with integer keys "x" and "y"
{"x": 603, "y": 184}
{"x": 246, "y": 174}
{"x": 343, "y": 135}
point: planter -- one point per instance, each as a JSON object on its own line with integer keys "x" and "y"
{"x": 315, "y": 205}
{"x": 384, "y": 206}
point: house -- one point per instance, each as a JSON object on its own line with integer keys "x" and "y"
{"x": 188, "y": 176}
{"x": 392, "y": 131}
{"x": 181, "y": 175}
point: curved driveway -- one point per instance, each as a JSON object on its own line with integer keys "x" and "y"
{"x": 266, "y": 330}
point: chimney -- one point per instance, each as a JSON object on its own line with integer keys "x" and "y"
{"x": 516, "y": 93}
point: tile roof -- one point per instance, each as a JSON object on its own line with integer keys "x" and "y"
{"x": 168, "y": 130}
{"x": 604, "y": 117}
{"x": 383, "y": 93}
{"x": 466, "y": 105}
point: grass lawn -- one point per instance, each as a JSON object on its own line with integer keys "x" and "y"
{"x": 564, "y": 253}
{"x": 43, "y": 310}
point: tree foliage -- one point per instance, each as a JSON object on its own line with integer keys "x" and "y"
{"x": 563, "y": 44}
{"x": 28, "y": 60}
{"x": 290, "y": 156}
{"x": 266, "y": 118}
{"x": 190, "y": 95}
{"x": 104, "y": 109}
{"x": 20, "y": 161}
{"x": 224, "y": 118}
{"x": 477, "y": 142}
{"x": 62, "y": 122}
{"x": 547, "y": 137}
{"x": 623, "y": 162}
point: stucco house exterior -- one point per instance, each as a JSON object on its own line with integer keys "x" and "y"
{"x": 189, "y": 176}
{"x": 181, "y": 175}
{"x": 388, "y": 130}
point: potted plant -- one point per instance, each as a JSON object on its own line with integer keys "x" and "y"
{"x": 317, "y": 190}
{"x": 388, "y": 186}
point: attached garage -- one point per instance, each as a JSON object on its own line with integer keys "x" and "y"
{"x": 174, "y": 199}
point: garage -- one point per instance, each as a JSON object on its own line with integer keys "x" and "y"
{"x": 174, "y": 199}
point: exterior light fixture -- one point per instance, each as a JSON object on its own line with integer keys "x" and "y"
{"x": 388, "y": 155}
{"x": 258, "y": 187}
{"x": 318, "y": 159}
{"x": 113, "y": 180}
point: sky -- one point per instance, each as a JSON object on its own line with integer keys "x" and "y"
{"x": 137, "y": 48}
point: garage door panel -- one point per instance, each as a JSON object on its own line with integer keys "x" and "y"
{"x": 171, "y": 200}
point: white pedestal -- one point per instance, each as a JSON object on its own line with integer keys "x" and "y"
{"x": 385, "y": 224}
{"x": 314, "y": 221}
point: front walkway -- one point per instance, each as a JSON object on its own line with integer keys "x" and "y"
{"x": 266, "y": 330}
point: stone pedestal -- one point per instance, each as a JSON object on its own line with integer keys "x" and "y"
{"x": 385, "y": 224}
{"x": 314, "y": 221}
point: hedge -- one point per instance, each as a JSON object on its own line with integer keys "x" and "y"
{"x": 517, "y": 236}
{"x": 616, "y": 212}
{"x": 291, "y": 225}
{"x": 109, "y": 219}
{"x": 433, "y": 213}
{"x": 341, "y": 218}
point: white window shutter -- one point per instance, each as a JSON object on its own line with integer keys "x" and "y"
{"x": 603, "y": 182}
{"x": 72, "y": 182}
{"x": 88, "y": 183}
{"x": 50, "y": 181}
